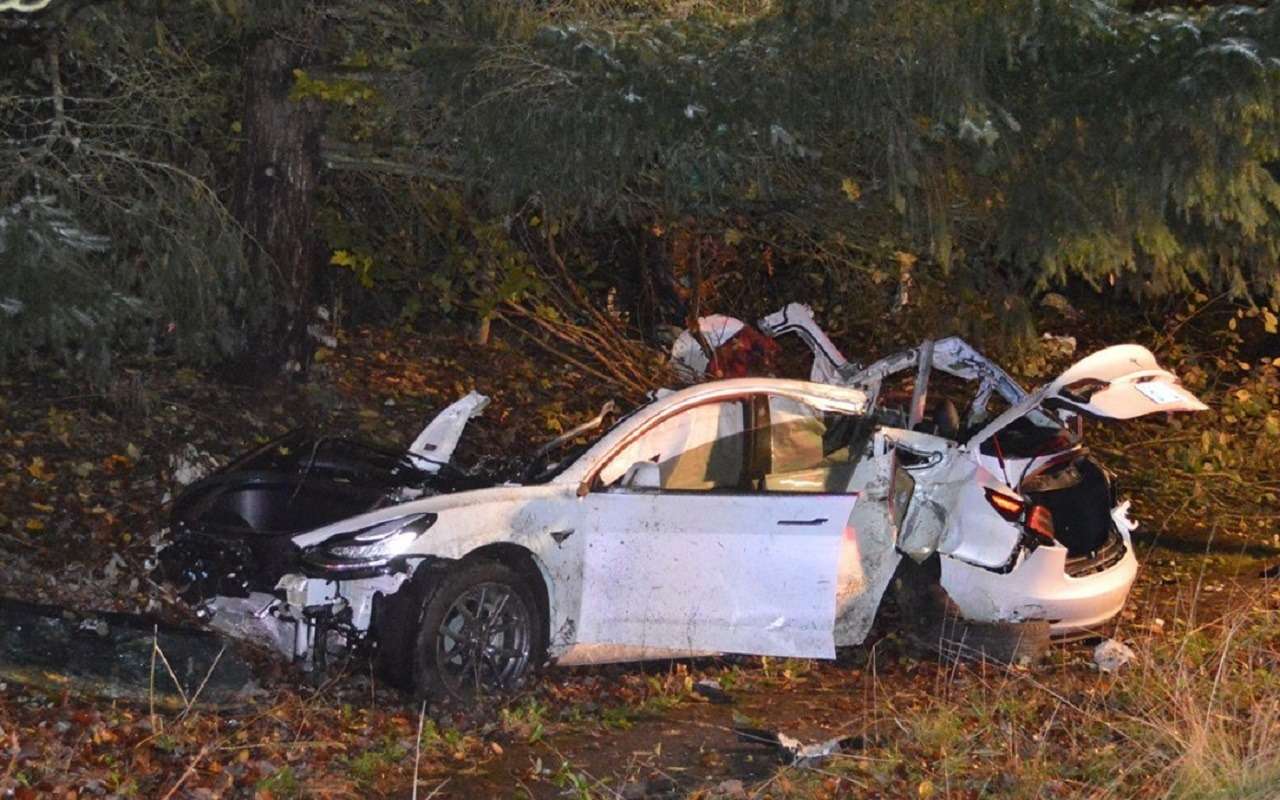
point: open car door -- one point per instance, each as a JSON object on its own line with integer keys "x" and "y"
{"x": 716, "y": 531}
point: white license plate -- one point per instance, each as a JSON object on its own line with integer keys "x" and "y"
{"x": 1160, "y": 392}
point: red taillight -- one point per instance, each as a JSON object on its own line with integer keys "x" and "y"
{"x": 1007, "y": 506}
{"x": 1037, "y": 519}
{"x": 1040, "y": 522}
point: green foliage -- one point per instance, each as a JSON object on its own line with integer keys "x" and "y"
{"x": 341, "y": 91}
{"x": 282, "y": 783}
{"x": 1010, "y": 146}
{"x": 369, "y": 766}
{"x": 358, "y": 110}
{"x": 1065, "y": 138}
{"x": 113, "y": 238}
{"x": 1241, "y": 434}
{"x": 425, "y": 248}
{"x": 359, "y": 263}
{"x": 1153, "y": 152}
{"x": 526, "y": 721}
{"x": 166, "y": 277}
{"x": 574, "y": 783}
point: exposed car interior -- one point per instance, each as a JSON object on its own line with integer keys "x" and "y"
{"x": 765, "y": 443}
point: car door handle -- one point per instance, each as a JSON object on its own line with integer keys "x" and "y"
{"x": 814, "y": 521}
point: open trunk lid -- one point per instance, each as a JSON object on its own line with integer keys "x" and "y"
{"x": 1119, "y": 382}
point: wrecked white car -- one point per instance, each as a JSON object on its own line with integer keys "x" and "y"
{"x": 751, "y": 515}
{"x": 1027, "y": 462}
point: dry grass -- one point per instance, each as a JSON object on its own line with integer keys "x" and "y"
{"x": 1196, "y": 716}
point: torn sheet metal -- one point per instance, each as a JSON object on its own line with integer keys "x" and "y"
{"x": 951, "y": 355}
{"x": 435, "y": 445}
{"x": 687, "y": 355}
{"x": 828, "y": 362}
{"x": 256, "y": 619}
{"x": 794, "y": 751}
{"x": 868, "y": 552}
{"x": 933, "y": 522}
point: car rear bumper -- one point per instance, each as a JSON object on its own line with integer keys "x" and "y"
{"x": 1039, "y": 588}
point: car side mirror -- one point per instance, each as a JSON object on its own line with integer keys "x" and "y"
{"x": 642, "y": 476}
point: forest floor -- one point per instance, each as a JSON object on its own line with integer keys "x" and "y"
{"x": 87, "y": 475}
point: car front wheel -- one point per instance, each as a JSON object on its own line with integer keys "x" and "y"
{"x": 480, "y": 633}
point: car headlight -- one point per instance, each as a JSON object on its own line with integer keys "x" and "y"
{"x": 368, "y": 548}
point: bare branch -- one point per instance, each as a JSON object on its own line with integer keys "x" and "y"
{"x": 338, "y": 160}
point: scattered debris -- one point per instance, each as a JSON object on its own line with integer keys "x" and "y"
{"x": 711, "y": 690}
{"x": 795, "y": 752}
{"x": 732, "y": 789}
{"x": 1111, "y": 655}
{"x": 190, "y": 465}
{"x": 317, "y": 332}
{"x": 114, "y": 565}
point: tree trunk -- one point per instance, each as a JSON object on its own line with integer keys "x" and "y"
{"x": 273, "y": 198}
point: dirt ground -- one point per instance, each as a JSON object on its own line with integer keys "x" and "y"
{"x": 82, "y": 509}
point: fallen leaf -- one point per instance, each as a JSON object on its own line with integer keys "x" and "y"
{"x": 39, "y": 471}
{"x": 115, "y": 462}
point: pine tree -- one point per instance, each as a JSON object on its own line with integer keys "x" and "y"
{"x": 1064, "y": 138}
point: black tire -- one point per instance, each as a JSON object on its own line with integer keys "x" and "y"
{"x": 932, "y": 621}
{"x": 481, "y": 633}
